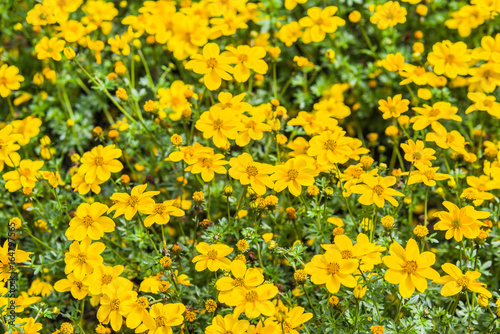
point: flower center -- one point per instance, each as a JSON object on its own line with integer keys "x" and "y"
{"x": 410, "y": 267}
{"x": 207, "y": 162}
{"x": 143, "y": 302}
{"x": 239, "y": 282}
{"x": 292, "y": 174}
{"x": 287, "y": 327}
{"x": 417, "y": 156}
{"x": 357, "y": 172}
{"x": 252, "y": 171}
{"x": 378, "y": 189}
{"x": 429, "y": 174}
{"x": 115, "y": 304}
{"x": 212, "y": 255}
{"x": 332, "y": 268}
{"x": 211, "y": 62}
{"x": 159, "y": 209}
{"x": 488, "y": 103}
{"x": 24, "y": 172}
{"x": 87, "y": 221}
{"x": 251, "y": 296}
{"x": 243, "y": 58}
{"x": 79, "y": 285}
{"x": 330, "y": 144}
{"x": 82, "y": 258}
{"x": 132, "y": 201}
{"x": 99, "y": 161}
{"x": 106, "y": 279}
{"x": 161, "y": 321}
{"x": 456, "y": 223}
{"x": 434, "y": 112}
{"x": 450, "y": 58}
{"x": 346, "y": 254}
{"x": 463, "y": 282}
{"x": 217, "y": 124}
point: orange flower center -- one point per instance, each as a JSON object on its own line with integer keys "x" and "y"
{"x": 251, "y": 296}
{"x": 82, "y": 258}
{"x": 159, "y": 209}
{"x": 287, "y": 327}
{"x": 212, "y": 255}
{"x": 252, "y": 171}
{"x": 115, "y": 304}
{"x": 450, "y": 58}
{"x": 24, "y": 172}
{"x": 106, "y": 279}
{"x": 211, "y": 62}
{"x": 99, "y": 161}
{"x": 357, "y": 172}
{"x": 346, "y": 254}
{"x": 378, "y": 189}
{"x": 292, "y": 174}
{"x": 332, "y": 268}
{"x": 410, "y": 267}
{"x": 330, "y": 144}
{"x": 239, "y": 282}
{"x": 87, "y": 221}
{"x": 243, "y": 58}
{"x": 470, "y": 194}
{"x": 132, "y": 201}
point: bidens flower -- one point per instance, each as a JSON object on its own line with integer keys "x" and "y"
{"x": 459, "y": 223}
{"x": 88, "y": 221}
{"x": 212, "y": 257}
{"x": 408, "y": 268}
{"x": 294, "y": 174}
{"x": 319, "y": 22}
{"x": 128, "y": 205}
{"x": 456, "y": 281}
{"x": 100, "y": 162}
{"x": 376, "y": 189}
{"x": 9, "y": 79}
{"x": 213, "y": 65}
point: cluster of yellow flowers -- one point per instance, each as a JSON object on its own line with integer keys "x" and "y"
{"x": 306, "y": 195}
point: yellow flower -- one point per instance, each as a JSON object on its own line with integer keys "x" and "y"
{"x": 430, "y": 115}
{"x": 255, "y": 301}
{"x": 8, "y": 147}
{"x": 333, "y": 270}
{"x": 218, "y": 124}
{"x": 103, "y": 276}
{"x": 445, "y": 139}
{"x": 294, "y": 174}
{"x": 213, "y": 65}
{"x": 416, "y": 153}
{"x": 189, "y": 34}
{"x": 234, "y": 103}
{"x": 116, "y": 302}
{"x": 268, "y": 327}
{"x": 29, "y": 327}
{"x": 450, "y": 58}
{"x": 368, "y": 253}
{"x": 208, "y": 164}
{"x": 212, "y": 257}
{"x": 20, "y": 256}
{"x": 83, "y": 257}
{"x": 376, "y": 189}
{"x": 160, "y": 213}
{"x": 88, "y": 221}
{"x": 50, "y": 48}
{"x": 244, "y": 169}
{"x": 190, "y": 154}
{"x": 246, "y": 58}
{"x": 40, "y": 288}
{"x": 319, "y": 22}
{"x": 484, "y": 102}
{"x": 393, "y": 106}
{"x": 164, "y": 317}
{"x": 408, "y": 268}
{"x": 100, "y": 162}
{"x": 128, "y": 205}
{"x": 291, "y": 4}
{"x": 78, "y": 288}
{"x": 456, "y": 281}
{"x": 393, "y": 62}
{"x": 252, "y": 128}
{"x": 292, "y": 318}
{"x": 227, "y": 324}
{"x": 426, "y": 175}
{"x": 459, "y": 223}
{"x": 330, "y": 147}
{"x": 243, "y": 277}
{"x": 388, "y": 15}
{"x": 468, "y": 18}
{"x": 78, "y": 184}
{"x": 484, "y": 78}
{"x": 28, "y": 127}
{"x": 10, "y": 79}
{"x": 24, "y": 176}
{"x": 119, "y": 44}
{"x": 290, "y": 33}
